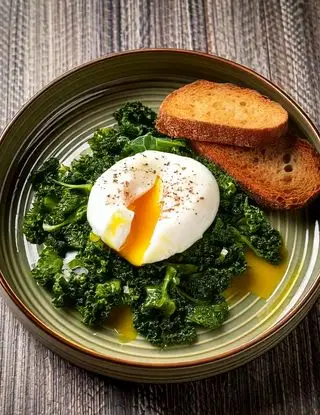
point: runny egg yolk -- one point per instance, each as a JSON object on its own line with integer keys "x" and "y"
{"x": 260, "y": 278}
{"x": 146, "y": 210}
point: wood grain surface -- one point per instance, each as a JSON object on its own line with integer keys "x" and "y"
{"x": 40, "y": 39}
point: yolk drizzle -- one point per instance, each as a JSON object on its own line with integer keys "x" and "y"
{"x": 260, "y": 278}
{"x": 120, "y": 320}
{"x": 147, "y": 210}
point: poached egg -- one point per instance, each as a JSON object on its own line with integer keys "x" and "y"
{"x": 153, "y": 205}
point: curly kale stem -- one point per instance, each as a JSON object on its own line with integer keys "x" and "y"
{"x": 188, "y": 297}
{"x": 86, "y": 187}
{"x": 51, "y": 228}
{"x": 245, "y": 240}
{"x": 78, "y": 214}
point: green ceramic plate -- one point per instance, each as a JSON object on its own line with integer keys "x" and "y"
{"x": 58, "y": 122}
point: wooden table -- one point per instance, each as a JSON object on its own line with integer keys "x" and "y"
{"x": 40, "y": 39}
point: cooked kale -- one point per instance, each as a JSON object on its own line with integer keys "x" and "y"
{"x": 150, "y": 142}
{"x": 33, "y": 220}
{"x": 107, "y": 141}
{"x": 99, "y": 302}
{"x": 45, "y": 173}
{"x": 56, "y": 242}
{"x": 87, "y": 169}
{"x": 95, "y": 258}
{"x": 86, "y": 187}
{"x": 255, "y": 231}
{"x": 164, "y": 331}
{"x": 76, "y": 234}
{"x": 210, "y": 316}
{"x": 135, "y": 119}
{"x": 169, "y": 299}
{"x": 158, "y": 295}
{"x": 69, "y": 202}
{"x": 46, "y": 198}
{"x": 48, "y": 267}
{"x": 206, "y": 285}
{"x": 216, "y": 266}
{"x": 75, "y": 217}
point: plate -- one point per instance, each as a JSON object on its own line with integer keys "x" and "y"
{"x": 58, "y": 122}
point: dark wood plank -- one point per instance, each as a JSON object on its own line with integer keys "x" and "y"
{"x": 39, "y": 40}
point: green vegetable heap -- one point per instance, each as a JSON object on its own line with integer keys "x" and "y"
{"x": 169, "y": 299}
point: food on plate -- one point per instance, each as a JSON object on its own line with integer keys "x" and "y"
{"x": 153, "y": 205}
{"x": 222, "y": 113}
{"x": 174, "y": 296}
{"x": 282, "y": 176}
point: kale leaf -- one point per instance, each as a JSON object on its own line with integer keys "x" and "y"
{"x": 32, "y": 222}
{"x": 134, "y": 119}
{"x": 48, "y": 266}
{"x": 107, "y": 141}
{"x": 46, "y": 199}
{"x": 76, "y": 216}
{"x": 45, "y": 173}
{"x": 87, "y": 168}
{"x": 99, "y": 303}
{"x": 164, "y": 331}
{"x": 212, "y": 281}
{"x": 158, "y": 296}
{"x": 210, "y": 316}
{"x": 255, "y": 231}
{"x": 85, "y": 187}
{"x": 150, "y": 142}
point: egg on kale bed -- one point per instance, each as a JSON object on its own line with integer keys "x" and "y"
{"x": 170, "y": 298}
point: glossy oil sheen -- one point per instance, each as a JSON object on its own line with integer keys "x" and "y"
{"x": 58, "y": 123}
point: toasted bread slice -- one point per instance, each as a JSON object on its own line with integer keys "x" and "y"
{"x": 222, "y": 112}
{"x": 283, "y": 176}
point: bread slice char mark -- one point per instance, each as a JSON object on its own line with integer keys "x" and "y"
{"x": 223, "y": 113}
{"x": 283, "y": 176}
